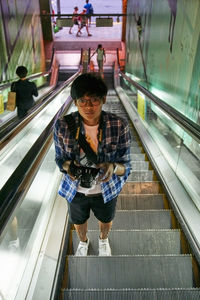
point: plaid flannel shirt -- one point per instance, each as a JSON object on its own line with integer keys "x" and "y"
{"x": 114, "y": 147}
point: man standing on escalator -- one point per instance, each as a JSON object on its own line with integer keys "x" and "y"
{"x": 25, "y": 90}
{"x": 93, "y": 152}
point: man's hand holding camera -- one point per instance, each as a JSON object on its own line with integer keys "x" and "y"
{"x": 75, "y": 171}
{"x": 66, "y": 167}
{"x": 109, "y": 169}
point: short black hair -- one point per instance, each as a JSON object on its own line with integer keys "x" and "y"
{"x": 21, "y": 71}
{"x": 89, "y": 84}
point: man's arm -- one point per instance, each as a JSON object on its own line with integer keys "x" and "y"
{"x": 35, "y": 91}
{"x": 104, "y": 54}
{"x": 122, "y": 165}
{"x": 93, "y": 53}
{"x": 62, "y": 160}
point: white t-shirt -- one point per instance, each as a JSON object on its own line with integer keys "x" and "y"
{"x": 91, "y": 133}
{"x": 100, "y": 54}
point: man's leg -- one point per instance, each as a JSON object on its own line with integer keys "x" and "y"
{"x": 81, "y": 230}
{"x": 87, "y": 29}
{"x": 105, "y": 213}
{"x": 104, "y": 246}
{"x": 70, "y": 30}
{"x": 79, "y": 213}
{"x": 79, "y": 30}
{"x": 104, "y": 229}
{"x": 21, "y": 112}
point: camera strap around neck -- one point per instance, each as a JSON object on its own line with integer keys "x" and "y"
{"x": 91, "y": 155}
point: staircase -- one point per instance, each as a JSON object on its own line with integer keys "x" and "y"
{"x": 149, "y": 260}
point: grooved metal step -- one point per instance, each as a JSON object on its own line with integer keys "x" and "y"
{"x": 165, "y": 271}
{"x": 136, "y": 149}
{"x": 152, "y": 187}
{"x": 141, "y": 176}
{"x": 139, "y": 165}
{"x": 137, "y": 219}
{"x": 131, "y": 294}
{"x": 134, "y": 143}
{"x": 135, "y": 242}
{"x": 141, "y": 201}
{"x": 138, "y": 156}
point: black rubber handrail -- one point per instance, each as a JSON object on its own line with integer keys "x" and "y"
{"x": 188, "y": 125}
{"x": 118, "y": 61}
{"x": 11, "y": 129}
{"x": 10, "y": 194}
{"x": 12, "y": 187}
{"x": 7, "y": 127}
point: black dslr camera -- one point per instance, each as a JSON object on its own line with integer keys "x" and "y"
{"x": 86, "y": 175}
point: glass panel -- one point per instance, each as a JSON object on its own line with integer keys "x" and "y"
{"x": 16, "y": 149}
{"x": 21, "y": 240}
{"x": 180, "y": 149}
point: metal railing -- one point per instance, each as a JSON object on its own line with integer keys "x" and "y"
{"x": 17, "y": 184}
{"x": 30, "y": 77}
{"x": 188, "y": 125}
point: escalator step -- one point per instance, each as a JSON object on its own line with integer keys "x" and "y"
{"x": 134, "y": 143}
{"x": 152, "y": 187}
{"x": 137, "y": 157}
{"x": 136, "y": 149}
{"x": 141, "y": 201}
{"x": 135, "y": 242}
{"x": 137, "y": 219}
{"x": 141, "y": 176}
{"x": 174, "y": 271}
{"x": 131, "y": 294}
{"x": 139, "y": 165}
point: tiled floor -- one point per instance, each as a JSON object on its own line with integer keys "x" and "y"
{"x": 98, "y": 33}
{"x": 110, "y": 37}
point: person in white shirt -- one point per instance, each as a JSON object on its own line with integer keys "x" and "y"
{"x": 101, "y": 57}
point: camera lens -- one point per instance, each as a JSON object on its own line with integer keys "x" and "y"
{"x": 78, "y": 171}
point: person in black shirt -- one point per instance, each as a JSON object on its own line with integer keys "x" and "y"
{"x": 25, "y": 90}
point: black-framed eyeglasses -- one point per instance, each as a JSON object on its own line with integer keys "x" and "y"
{"x": 95, "y": 101}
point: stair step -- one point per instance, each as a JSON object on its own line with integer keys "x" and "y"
{"x": 135, "y": 242}
{"x": 139, "y": 165}
{"x": 131, "y": 294}
{"x": 134, "y": 143}
{"x": 141, "y": 201}
{"x": 174, "y": 271}
{"x": 141, "y": 176}
{"x": 136, "y": 149}
{"x": 152, "y": 187}
{"x": 137, "y": 219}
{"x": 137, "y": 157}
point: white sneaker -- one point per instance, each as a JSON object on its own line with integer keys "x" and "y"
{"x": 104, "y": 247}
{"x": 14, "y": 245}
{"x": 82, "y": 249}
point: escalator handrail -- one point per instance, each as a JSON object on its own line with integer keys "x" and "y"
{"x": 32, "y": 76}
{"x": 10, "y": 130}
{"x": 6, "y": 129}
{"x": 188, "y": 125}
{"x": 11, "y": 188}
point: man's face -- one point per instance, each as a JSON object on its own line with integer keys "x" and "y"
{"x": 90, "y": 108}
